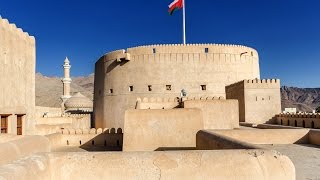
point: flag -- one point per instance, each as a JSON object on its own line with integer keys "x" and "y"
{"x": 175, "y": 5}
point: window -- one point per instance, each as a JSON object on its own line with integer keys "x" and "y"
{"x": 168, "y": 87}
{"x": 154, "y": 50}
{"x": 130, "y": 88}
{"x": 149, "y": 88}
{"x": 110, "y": 91}
{"x": 203, "y": 87}
{"x": 206, "y": 50}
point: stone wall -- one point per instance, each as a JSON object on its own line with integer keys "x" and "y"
{"x": 259, "y": 100}
{"x": 149, "y": 130}
{"x": 17, "y": 77}
{"x": 202, "y": 70}
{"x": 299, "y": 120}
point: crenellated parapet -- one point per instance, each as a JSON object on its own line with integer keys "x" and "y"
{"x": 5, "y": 24}
{"x": 255, "y": 83}
{"x": 299, "y": 115}
{"x": 91, "y": 131}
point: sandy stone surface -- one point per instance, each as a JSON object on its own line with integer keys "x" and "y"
{"x": 306, "y": 159}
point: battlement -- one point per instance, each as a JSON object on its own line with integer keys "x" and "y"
{"x": 300, "y": 115}
{"x": 90, "y": 131}
{"x": 256, "y": 83}
{"x": 18, "y": 31}
{"x": 188, "y": 45}
{"x": 217, "y": 49}
{"x": 177, "y": 99}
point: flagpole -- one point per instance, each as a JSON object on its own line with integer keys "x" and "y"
{"x": 184, "y": 23}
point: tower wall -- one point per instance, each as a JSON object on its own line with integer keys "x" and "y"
{"x": 17, "y": 77}
{"x": 259, "y": 100}
{"x": 201, "y": 69}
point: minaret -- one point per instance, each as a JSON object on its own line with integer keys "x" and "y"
{"x": 66, "y": 80}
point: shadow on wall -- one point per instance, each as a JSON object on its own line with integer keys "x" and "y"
{"x": 106, "y": 141}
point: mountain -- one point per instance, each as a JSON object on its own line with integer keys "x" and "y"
{"x": 304, "y": 99}
{"x": 49, "y": 91}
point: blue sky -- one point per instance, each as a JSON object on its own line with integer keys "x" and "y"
{"x": 286, "y": 33}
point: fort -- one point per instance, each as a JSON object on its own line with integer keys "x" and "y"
{"x": 195, "y": 111}
{"x": 163, "y": 71}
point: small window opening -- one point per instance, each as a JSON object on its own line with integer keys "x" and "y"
{"x": 67, "y": 142}
{"x": 149, "y": 88}
{"x": 118, "y": 143}
{"x": 110, "y": 91}
{"x": 251, "y": 53}
{"x": 105, "y": 143}
{"x": 203, "y": 87}
{"x": 295, "y": 123}
{"x": 303, "y": 124}
{"x": 92, "y": 142}
{"x": 312, "y": 125}
{"x": 154, "y": 50}
{"x": 168, "y": 87}
{"x": 206, "y": 50}
{"x": 80, "y": 142}
{"x": 281, "y": 122}
{"x": 130, "y": 88}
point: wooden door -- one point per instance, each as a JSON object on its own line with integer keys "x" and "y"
{"x": 4, "y": 124}
{"x": 19, "y": 125}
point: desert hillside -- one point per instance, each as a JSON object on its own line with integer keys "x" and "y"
{"x": 49, "y": 91}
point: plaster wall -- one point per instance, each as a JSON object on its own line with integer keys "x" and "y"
{"x": 148, "y": 130}
{"x": 217, "y": 114}
{"x": 181, "y": 66}
{"x": 17, "y": 75}
{"x": 234, "y": 164}
{"x": 15, "y": 149}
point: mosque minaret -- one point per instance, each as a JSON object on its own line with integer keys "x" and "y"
{"x": 66, "y": 80}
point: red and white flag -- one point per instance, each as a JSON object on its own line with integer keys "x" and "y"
{"x": 175, "y": 5}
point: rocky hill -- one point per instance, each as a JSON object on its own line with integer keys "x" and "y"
{"x": 49, "y": 90}
{"x": 304, "y": 99}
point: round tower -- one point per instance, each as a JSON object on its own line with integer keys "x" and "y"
{"x": 66, "y": 80}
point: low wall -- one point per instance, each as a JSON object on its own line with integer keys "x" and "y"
{"x": 299, "y": 120}
{"x": 233, "y": 164}
{"x": 88, "y": 139}
{"x": 149, "y": 130}
{"x": 48, "y": 111}
{"x": 273, "y": 126}
{"x": 212, "y": 141}
{"x": 157, "y": 103}
{"x": 13, "y": 150}
{"x": 314, "y": 137}
{"x": 217, "y": 114}
{"x": 52, "y": 125}
{"x": 267, "y": 136}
